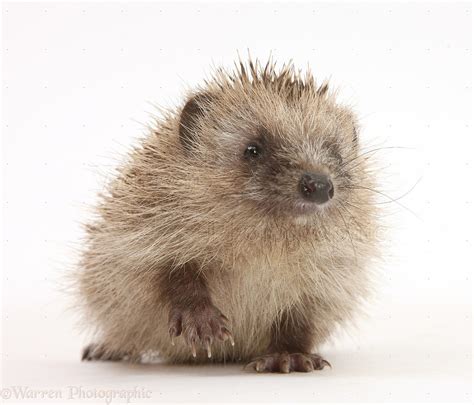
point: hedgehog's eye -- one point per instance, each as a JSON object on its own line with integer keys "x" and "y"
{"x": 252, "y": 151}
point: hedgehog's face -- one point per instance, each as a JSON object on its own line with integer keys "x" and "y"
{"x": 285, "y": 159}
{"x": 280, "y": 178}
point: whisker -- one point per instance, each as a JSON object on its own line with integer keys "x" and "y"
{"x": 405, "y": 193}
{"x": 348, "y": 232}
{"x": 384, "y": 195}
{"x": 360, "y": 155}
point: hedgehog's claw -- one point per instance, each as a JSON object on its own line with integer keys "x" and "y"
{"x": 193, "y": 347}
{"x": 173, "y": 331}
{"x": 226, "y": 335}
{"x": 208, "y": 347}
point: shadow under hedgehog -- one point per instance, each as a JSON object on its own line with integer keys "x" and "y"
{"x": 240, "y": 229}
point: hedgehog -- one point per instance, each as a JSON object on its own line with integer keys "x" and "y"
{"x": 240, "y": 229}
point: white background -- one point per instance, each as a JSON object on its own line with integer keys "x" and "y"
{"x": 79, "y": 84}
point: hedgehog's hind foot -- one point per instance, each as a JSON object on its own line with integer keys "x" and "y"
{"x": 99, "y": 352}
{"x": 287, "y": 362}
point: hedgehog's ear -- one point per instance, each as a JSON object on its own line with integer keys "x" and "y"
{"x": 194, "y": 109}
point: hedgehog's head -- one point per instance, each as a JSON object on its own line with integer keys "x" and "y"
{"x": 272, "y": 139}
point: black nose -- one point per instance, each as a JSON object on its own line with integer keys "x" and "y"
{"x": 317, "y": 188}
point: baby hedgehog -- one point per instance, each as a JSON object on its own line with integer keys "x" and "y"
{"x": 239, "y": 230}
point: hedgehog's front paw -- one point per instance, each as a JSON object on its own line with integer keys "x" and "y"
{"x": 286, "y": 362}
{"x": 201, "y": 325}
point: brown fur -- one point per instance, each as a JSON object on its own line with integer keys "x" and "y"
{"x": 292, "y": 332}
{"x": 188, "y": 222}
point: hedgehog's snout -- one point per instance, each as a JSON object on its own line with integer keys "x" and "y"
{"x": 316, "y": 187}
